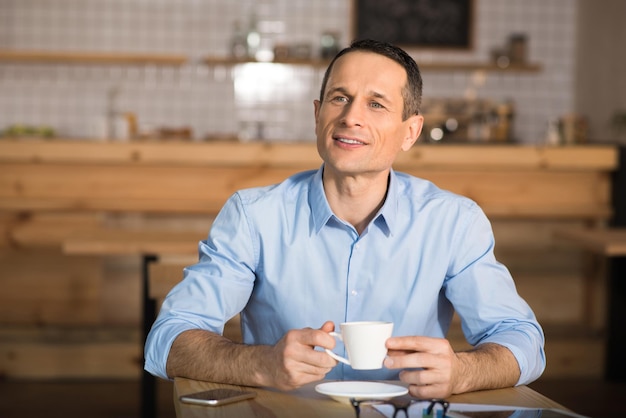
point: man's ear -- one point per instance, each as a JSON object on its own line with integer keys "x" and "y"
{"x": 316, "y": 105}
{"x": 414, "y": 127}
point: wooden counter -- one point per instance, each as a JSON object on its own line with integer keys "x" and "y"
{"x": 507, "y": 181}
{"x": 60, "y": 311}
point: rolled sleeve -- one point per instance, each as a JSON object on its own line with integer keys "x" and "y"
{"x": 212, "y": 291}
{"x": 484, "y": 294}
{"x": 159, "y": 343}
{"x": 527, "y": 347}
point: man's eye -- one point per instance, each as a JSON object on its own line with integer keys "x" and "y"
{"x": 340, "y": 99}
{"x": 377, "y": 105}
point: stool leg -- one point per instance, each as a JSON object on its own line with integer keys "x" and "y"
{"x": 148, "y": 382}
{"x": 616, "y": 330}
{"x": 615, "y": 368}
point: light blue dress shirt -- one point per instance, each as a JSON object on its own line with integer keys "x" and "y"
{"x": 279, "y": 256}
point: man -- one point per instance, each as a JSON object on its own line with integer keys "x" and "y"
{"x": 351, "y": 241}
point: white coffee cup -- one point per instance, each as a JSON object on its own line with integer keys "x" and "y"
{"x": 364, "y": 342}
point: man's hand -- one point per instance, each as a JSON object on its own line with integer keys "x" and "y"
{"x": 431, "y": 362}
{"x": 434, "y": 370}
{"x": 293, "y": 361}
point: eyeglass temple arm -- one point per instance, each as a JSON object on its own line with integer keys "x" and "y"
{"x": 444, "y": 404}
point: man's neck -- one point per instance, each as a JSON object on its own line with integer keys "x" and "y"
{"x": 356, "y": 199}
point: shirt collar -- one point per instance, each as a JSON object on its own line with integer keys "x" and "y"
{"x": 322, "y": 213}
{"x": 320, "y": 209}
{"x": 386, "y": 217}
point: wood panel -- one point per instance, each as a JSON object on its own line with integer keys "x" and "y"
{"x": 121, "y": 292}
{"x": 127, "y": 188}
{"x": 560, "y": 282}
{"x": 7, "y": 221}
{"x": 577, "y": 356}
{"x": 531, "y": 194}
{"x": 455, "y": 157}
{"x": 574, "y": 357}
{"x": 608, "y": 242}
{"x": 555, "y": 299}
{"x": 293, "y": 154}
{"x": 304, "y": 155}
{"x": 205, "y": 189}
{"x": 49, "y": 229}
{"x": 164, "y": 276}
{"x": 138, "y": 242}
{"x": 53, "y": 353}
{"x": 43, "y": 287}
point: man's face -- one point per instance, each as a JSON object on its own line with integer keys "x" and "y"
{"x": 359, "y": 124}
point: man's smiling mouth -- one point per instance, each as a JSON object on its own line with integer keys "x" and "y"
{"x": 349, "y": 141}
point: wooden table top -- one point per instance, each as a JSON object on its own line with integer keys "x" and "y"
{"x": 607, "y": 241}
{"x": 307, "y": 403}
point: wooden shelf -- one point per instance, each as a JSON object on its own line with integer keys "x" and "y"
{"x": 424, "y": 66}
{"x": 478, "y": 66}
{"x": 69, "y": 57}
{"x": 227, "y": 61}
{"x": 129, "y": 58}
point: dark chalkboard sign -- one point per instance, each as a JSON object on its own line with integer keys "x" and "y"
{"x": 423, "y": 23}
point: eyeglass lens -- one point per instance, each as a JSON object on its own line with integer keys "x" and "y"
{"x": 437, "y": 408}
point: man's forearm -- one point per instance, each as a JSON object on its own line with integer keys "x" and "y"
{"x": 204, "y": 355}
{"x": 487, "y": 366}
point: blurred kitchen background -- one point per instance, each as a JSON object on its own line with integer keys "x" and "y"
{"x": 203, "y": 96}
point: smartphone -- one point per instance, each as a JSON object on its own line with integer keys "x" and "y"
{"x": 217, "y": 397}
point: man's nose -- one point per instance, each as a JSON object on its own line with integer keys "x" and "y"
{"x": 353, "y": 114}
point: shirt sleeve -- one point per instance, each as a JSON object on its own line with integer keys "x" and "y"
{"x": 212, "y": 291}
{"x": 483, "y": 294}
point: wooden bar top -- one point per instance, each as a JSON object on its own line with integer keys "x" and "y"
{"x": 303, "y": 154}
{"x": 610, "y": 242}
{"x": 118, "y": 241}
{"x": 306, "y": 402}
{"x": 507, "y": 181}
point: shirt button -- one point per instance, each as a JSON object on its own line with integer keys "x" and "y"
{"x": 354, "y": 293}
{"x": 357, "y": 246}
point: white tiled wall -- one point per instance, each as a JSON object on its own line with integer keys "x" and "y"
{"x": 224, "y": 100}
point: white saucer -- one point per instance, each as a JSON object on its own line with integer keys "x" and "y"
{"x": 343, "y": 391}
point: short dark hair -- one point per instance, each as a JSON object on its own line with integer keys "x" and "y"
{"x": 412, "y": 91}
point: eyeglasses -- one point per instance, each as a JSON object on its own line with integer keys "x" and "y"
{"x": 403, "y": 405}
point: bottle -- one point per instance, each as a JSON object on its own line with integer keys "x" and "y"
{"x": 553, "y": 136}
{"x": 329, "y": 45}
{"x": 253, "y": 37}
{"x": 238, "y": 43}
{"x": 502, "y": 122}
{"x": 517, "y": 48}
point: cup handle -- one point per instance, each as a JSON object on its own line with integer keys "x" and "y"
{"x": 333, "y": 355}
